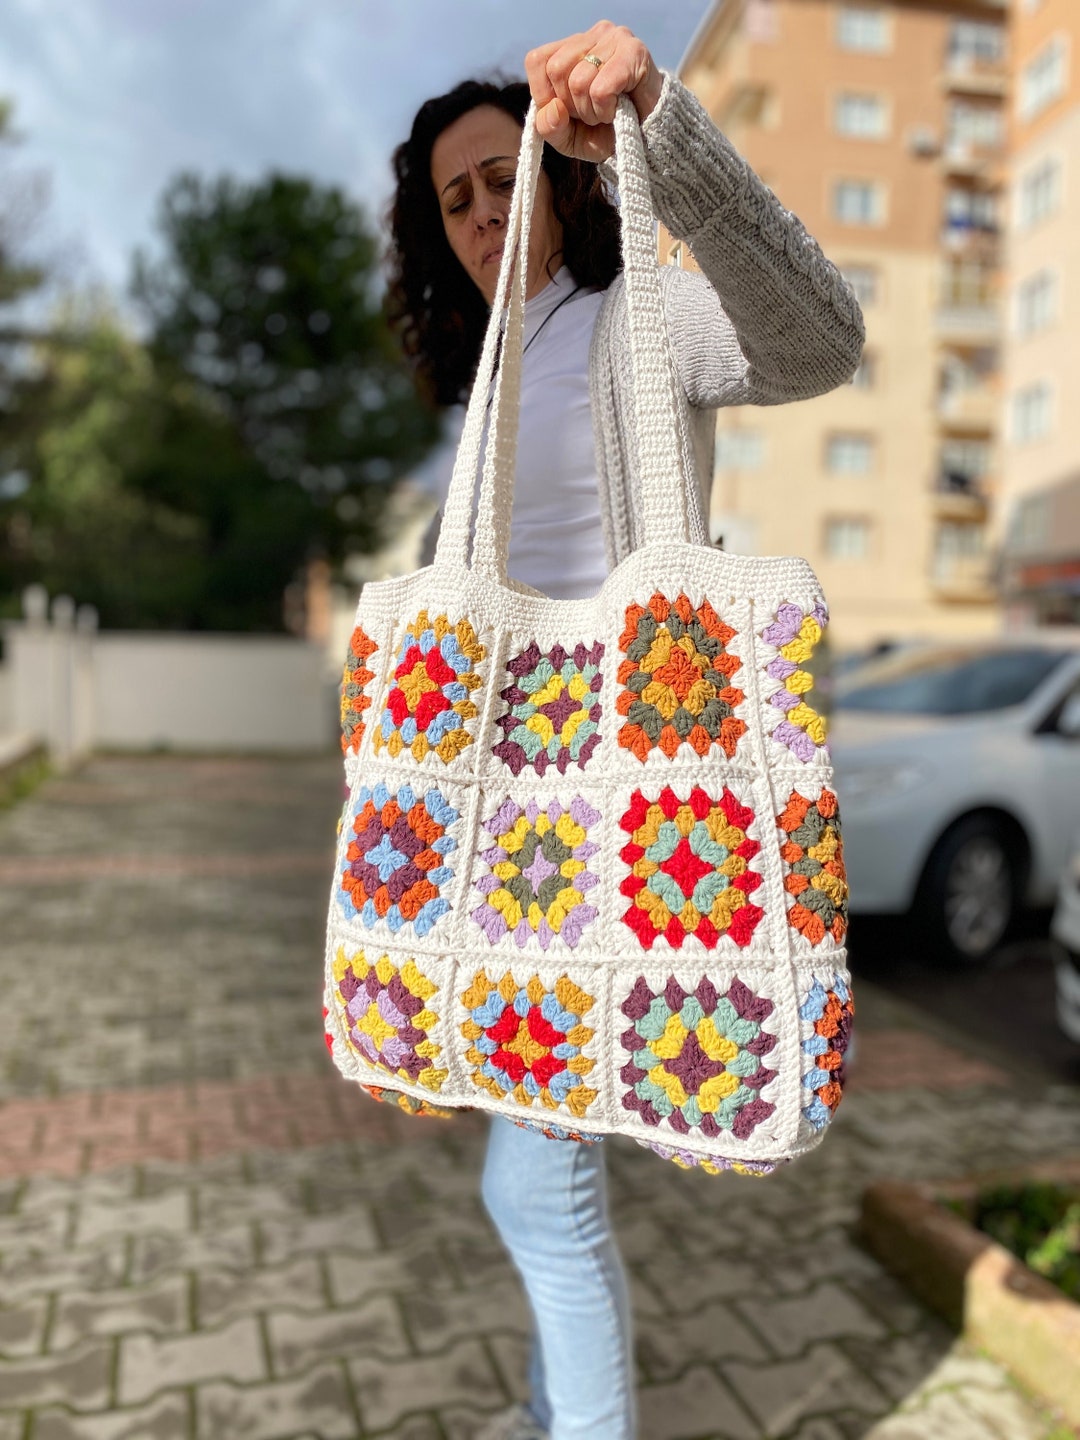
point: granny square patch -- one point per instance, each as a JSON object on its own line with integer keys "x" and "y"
{"x": 677, "y": 676}
{"x": 690, "y": 868}
{"x": 526, "y": 1041}
{"x": 430, "y": 695}
{"x": 385, "y": 1014}
{"x": 552, "y": 708}
{"x": 830, "y": 1013}
{"x": 538, "y": 880}
{"x": 354, "y": 697}
{"x": 795, "y": 634}
{"x": 815, "y": 874}
{"x": 697, "y": 1058}
{"x": 396, "y": 861}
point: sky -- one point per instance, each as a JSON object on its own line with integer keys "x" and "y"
{"x": 114, "y": 97}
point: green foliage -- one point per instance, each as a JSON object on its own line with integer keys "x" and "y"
{"x": 19, "y": 201}
{"x": 266, "y": 298}
{"x": 1040, "y": 1224}
{"x": 184, "y": 481}
{"x": 143, "y": 502}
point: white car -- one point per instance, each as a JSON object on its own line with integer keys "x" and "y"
{"x": 958, "y": 773}
{"x": 1065, "y": 932}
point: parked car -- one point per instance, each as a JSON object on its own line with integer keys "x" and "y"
{"x": 1065, "y": 932}
{"x": 958, "y": 772}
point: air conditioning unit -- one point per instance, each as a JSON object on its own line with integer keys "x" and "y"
{"x": 923, "y": 140}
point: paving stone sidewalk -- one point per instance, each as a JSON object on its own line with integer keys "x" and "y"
{"x": 204, "y": 1235}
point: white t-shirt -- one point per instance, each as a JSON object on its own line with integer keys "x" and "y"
{"x": 556, "y": 534}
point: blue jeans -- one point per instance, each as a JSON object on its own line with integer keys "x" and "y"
{"x": 548, "y": 1199}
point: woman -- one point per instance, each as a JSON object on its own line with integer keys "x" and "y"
{"x": 768, "y": 320}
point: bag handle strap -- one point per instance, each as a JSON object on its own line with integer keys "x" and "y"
{"x": 665, "y": 510}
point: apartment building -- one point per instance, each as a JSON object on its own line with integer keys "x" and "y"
{"x": 1039, "y": 526}
{"x": 883, "y": 126}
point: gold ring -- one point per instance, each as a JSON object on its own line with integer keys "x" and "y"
{"x": 593, "y": 60}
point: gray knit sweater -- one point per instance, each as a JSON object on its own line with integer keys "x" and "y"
{"x": 768, "y": 320}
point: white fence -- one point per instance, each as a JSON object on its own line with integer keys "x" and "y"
{"x": 79, "y": 689}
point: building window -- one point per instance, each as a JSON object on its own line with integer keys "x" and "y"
{"x": 863, "y": 280}
{"x": 971, "y": 210}
{"x": 969, "y": 371}
{"x": 863, "y": 117}
{"x": 740, "y": 450}
{"x": 1032, "y": 413}
{"x": 1040, "y": 192}
{"x": 1029, "y": 525}
{"x": 967, "y": 283}
{"x": 863, "y": 27}
{"x": 976, "y": 125}
{"x": 858, "y": 202}
{"x": 976, "y": 42}
{"x": 1036, "y": 302}
{"x": 848, "y": 454}
{"x": 963, "y": 464}
{"x": 847, "y": 538}
{"x": 866, "y": 376}
{"x": 1043, "y": 79}
{"x": 675, "y": 256}
{"x": 957, "y": 543}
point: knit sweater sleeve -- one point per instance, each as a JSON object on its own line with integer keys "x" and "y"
{"x": 776, "y": 321}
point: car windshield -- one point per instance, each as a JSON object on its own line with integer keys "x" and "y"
{"x": 954, "y": 681}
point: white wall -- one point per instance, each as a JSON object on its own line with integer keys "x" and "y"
{"x": 81, "y": 689}
{"x": 235, "y": 692}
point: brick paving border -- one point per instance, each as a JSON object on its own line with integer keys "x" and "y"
{"x": 91, "y": 1130}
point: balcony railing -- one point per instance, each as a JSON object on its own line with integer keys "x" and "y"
{"x": 970, "y": 76}
{"x": 971, "y": 407}
{"x": 966, "y": 317}
{"x": 966, "y": 158}
{"x": 960, "y": 497}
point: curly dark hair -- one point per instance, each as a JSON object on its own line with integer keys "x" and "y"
{"x": 432, "y": 304}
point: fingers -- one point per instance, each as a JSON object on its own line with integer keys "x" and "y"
{"x": 573, "y": 137}
{"x": 589, "y": 94}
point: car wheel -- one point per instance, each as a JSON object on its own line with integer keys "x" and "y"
{"x": 970, "y": 893}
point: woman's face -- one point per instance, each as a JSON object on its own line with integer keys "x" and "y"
{"x": 473, "y": 164}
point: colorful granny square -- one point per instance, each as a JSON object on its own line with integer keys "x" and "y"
{"x": 553, "y": 709}
{"x": 689, "y": 868}
{"x": 831, "y": 1012}
{"x": 385, "y": 1013}
{"x": 697, "y": 1057}
{"x": 813, "y": 853}
{"x": 429, "y": 698}
{"x": 677, "y": 677}
{"x": 538, "y": 876}
{"x": 354, "y": 699}
{"x": 396, "y": 866}
{"x": 795, "y": 633}
{"x": 526, "y": 1041}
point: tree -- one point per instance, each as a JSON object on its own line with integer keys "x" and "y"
{"x": 184, "y": 480}
{"x": 266, "y": 297}
{"x": 21, "y": 200}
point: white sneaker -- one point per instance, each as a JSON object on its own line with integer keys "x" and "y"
{"x": 513, "y": 1424}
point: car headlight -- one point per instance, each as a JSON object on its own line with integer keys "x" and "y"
{"x": 856, "y": 783}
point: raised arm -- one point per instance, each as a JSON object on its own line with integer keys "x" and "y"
{"x": 772, "y": 295}
{"x": 776, "y": 321}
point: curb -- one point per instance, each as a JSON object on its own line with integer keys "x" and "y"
{"x": 1017, "y": 1316}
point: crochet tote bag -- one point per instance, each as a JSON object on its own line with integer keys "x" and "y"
{"x": 590, "y": 873}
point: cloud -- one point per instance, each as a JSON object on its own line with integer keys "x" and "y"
{"x": 116, "y": 96}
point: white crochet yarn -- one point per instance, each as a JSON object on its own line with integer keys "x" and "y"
{"x": 547, "y": 961}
